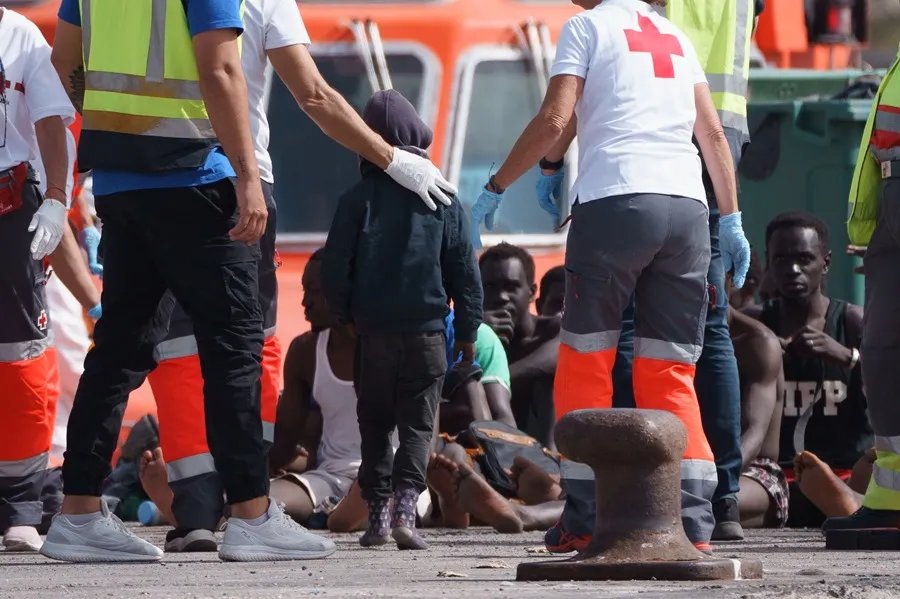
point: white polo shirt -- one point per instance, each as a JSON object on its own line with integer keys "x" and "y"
{"x": 268, "y": 24}
{"x": 31, "y": 89}
{"x": 636, "y": 114}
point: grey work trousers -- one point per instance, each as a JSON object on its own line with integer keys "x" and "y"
{"x": 655, "y": 247}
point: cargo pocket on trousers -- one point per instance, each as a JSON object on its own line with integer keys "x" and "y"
{"x": 241, "y": 290}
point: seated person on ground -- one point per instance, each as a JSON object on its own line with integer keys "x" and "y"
{"x": 763, "y": 495}
{"x": 317, "y": 410}
{"x": 479, "y": 391}
{"x": 552, "y": 292}
{"x": 745, "y": 297}
{"x": 531, "y": 342}
{"x": 819, "y": 336}
{"x": 316, "y": 429}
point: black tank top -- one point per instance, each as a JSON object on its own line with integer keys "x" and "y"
{"x": 838, "y": 431}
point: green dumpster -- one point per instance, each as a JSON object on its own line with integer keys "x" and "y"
{"x": 770, "y": 85}
{"x": 802, "y": 157}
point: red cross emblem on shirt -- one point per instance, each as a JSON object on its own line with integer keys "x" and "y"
{"x": 661, "y": 46}
{"x": 42, "y": 321}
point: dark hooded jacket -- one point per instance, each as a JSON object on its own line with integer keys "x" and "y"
{"x": 391, "y": 264}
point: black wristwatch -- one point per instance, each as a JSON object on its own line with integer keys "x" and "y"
{"x": 552, "y": 166}
{"x": 493, "y": 186}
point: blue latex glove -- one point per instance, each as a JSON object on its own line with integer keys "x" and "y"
{"x": 96, "y": 312}
{"x": 484, "y": 209}
{"x": 549, "y": 190}
{"x": 90, "y": 241}
{"x": 734, "y": 247}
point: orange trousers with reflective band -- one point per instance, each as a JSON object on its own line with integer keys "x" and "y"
{"x": 29, "y": 390}
{"x": 177, "y": 386}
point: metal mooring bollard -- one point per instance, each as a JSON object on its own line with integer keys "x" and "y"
{"x": 636, "y": 459}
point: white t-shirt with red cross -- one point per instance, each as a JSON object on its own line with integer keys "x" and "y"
{"x": 30, "y": 89}
{"x": 636, "y": 114}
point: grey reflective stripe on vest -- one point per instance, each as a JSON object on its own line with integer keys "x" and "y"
{"x": 889, "y": 122}
{"x": 180, "y": 347}
{"x": 589, "y": 342}
{"x": 188, "y": 467}
{"x": 156, "y": 55}
{"x": 886, "y": 479}
{"x": 657, "y": 349}
{"x": 135, "y": 84}
{"x": 26, "y": 467}
{"x": 736, "y": 81}
{"x": 268, "y": 431}
{"x": 891, "y": 444}
{"x": 86, "y": 32}
{"x": 883, "y": 155}
{"x": 17, "y": 351}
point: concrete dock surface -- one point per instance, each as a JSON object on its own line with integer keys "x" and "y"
{"x": 467, "y": 564}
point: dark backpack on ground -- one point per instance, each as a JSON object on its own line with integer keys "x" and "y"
{"x": 494, "y": 446}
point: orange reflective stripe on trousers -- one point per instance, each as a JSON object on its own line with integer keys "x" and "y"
{"x": 583, "y": 380}
{"x": 177, "y": 385}
{"x": 29, "y": 390}
{"x": 669, "y": 385}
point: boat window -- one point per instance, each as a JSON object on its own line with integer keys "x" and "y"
{"x": 312, "y": 171}
{"x": 498, "y": 95}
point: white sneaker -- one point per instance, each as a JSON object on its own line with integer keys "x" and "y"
{"x": 22, "y": 538}
{"x": 278, "y": 538}
{"x": 104, "y": 539}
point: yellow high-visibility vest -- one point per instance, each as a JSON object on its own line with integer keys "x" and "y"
{"x": 721, "y": 32}
{"x": 874, "y": 147}
{"x": 143, "y": 110}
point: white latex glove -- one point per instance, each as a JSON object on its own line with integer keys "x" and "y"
{"x": 47, "y": 225}
{"x": 419, "y": 175}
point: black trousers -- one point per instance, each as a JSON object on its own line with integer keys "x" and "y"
{"x": 176, "y": 239}
{"x": 398, "y": 379}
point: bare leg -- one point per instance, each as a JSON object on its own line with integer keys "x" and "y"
{"x": 441, "y": 473}
{"x": 822, "y": 486}
{"x": 533, "y": 485}
{"x": 351, "y": 513}
{"x": 538, "y": 517}
{"x": 755, "y": 504}
{"x": 297, "y": 503}
{"x": 155, "y": 480}
{"x": 478, "y": 498}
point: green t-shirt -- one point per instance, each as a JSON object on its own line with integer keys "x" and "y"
{"x": 491, "y": 357}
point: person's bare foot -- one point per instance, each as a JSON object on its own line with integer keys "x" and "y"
{"x": 478, "y": 498}
{"x": 441, "y": 471}
{"x": 155, "y": 480}
{"x": 533, "y": 485}
{"x": 862, "y": 472}
{"x": 823, "y": 487}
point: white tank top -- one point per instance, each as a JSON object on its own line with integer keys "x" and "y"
{"x": 339, "y": 452}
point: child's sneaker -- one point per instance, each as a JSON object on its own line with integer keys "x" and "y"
{"x": 378, "y": 531}
{"x": 403, "y": 525}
